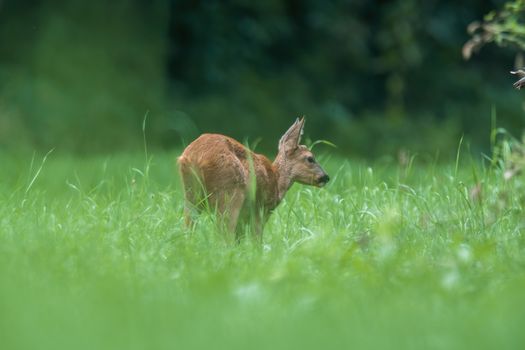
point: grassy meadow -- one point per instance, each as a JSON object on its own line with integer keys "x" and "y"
{"x": 410, "y": 255}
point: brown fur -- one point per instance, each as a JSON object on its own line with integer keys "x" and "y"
{"x": 216, "y": 171}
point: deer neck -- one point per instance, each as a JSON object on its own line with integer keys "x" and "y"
{"x": 284, "y": 177}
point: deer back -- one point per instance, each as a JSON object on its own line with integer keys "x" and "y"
{"x": 220, "y": 163}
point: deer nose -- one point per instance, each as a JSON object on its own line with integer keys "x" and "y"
{"x": 324, "y": 179}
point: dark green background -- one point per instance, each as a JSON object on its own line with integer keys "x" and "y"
{"x": 373, "y": 77}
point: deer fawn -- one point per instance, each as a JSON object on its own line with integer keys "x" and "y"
{"x": 240, "y": 184}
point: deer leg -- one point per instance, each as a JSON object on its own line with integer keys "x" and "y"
{"x": 188, "y": 215}
{"x": 254, "y": 219}
{"x": 188, "y": 204}
{"x": 229, "y": 205}
{"x": 190, "y": 186}
{"x": 191, "y": 204}
{"x": 258, "y": 225}
{"x": 234, "y": 209}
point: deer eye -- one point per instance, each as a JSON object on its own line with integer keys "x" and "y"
{"x": 310, "y": 159}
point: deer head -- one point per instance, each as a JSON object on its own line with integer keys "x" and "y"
{"x": 296, "y": 163}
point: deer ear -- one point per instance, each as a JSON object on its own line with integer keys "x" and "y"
{"x": 291, "y": 138}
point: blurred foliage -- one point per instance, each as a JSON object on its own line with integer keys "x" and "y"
{"x": 371, "y": 76}
{"x": 505, "y": 27}
{"x": 80, "y": 75}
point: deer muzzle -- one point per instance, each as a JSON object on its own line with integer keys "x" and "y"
{"x": 323, "y": 180}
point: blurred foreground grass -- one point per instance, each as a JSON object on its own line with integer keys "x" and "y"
{"x": 93, "y": 255}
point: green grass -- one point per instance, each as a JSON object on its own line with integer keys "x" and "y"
{"x": 94, "y": 255}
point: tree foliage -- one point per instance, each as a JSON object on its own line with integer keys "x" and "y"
{"x": 505, "y": 28}
{"x": 81, "y": 75}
